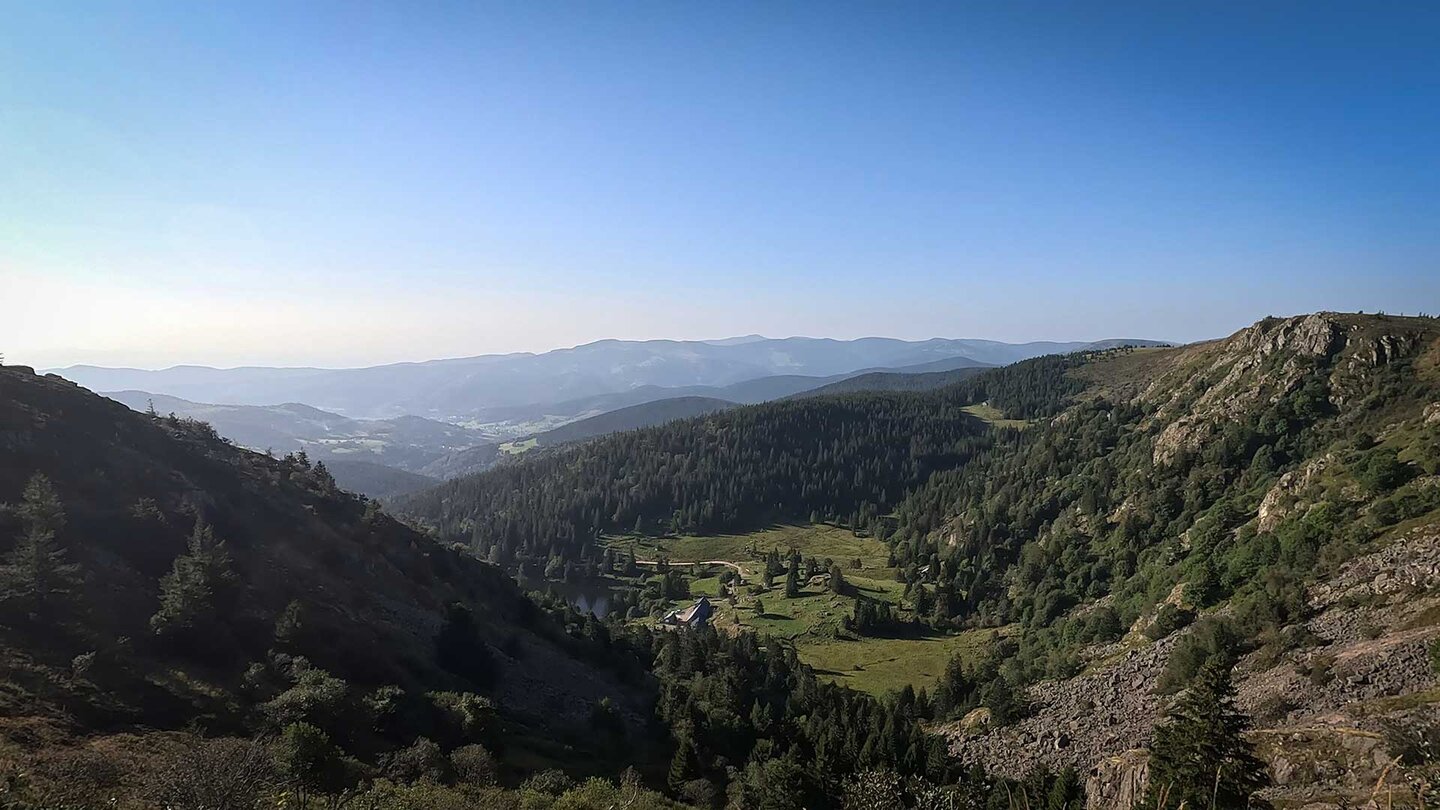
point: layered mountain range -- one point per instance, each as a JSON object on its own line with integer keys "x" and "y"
{"x": 451, "y": 417}
{"x": 465, "y": 388}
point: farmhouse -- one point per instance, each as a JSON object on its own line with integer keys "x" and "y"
{"x": 693, "y": 617}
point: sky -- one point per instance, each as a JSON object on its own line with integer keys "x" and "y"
{"x": 355, "y": 183}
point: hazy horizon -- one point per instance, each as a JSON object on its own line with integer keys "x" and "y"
{"x": 338, "y": 184}
{"x": 116, "y": 358}
{"x": 588, "y": 343}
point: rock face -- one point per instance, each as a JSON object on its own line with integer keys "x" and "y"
{"x": 1319, "y": 761}
{"x": 1411, "y": 563}
{"x": 1256, "y": 366}
{"x": 1118, "y": 782}
{"x": 976, "y": 720}
{"x": 1277, "y": 502}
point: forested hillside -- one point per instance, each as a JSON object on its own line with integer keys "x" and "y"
{"x": 156, "y": 577}
{"x": 1156, "y": 475}
{"x": 632, "y": 418}
{"x": 1194, "y": 508}
{"x": 849, "y": 458}
{"x": 852, "y": 457}
{"x": 894, "y": 381}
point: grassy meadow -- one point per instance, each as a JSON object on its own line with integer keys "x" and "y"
{"x": 813, "y": 620}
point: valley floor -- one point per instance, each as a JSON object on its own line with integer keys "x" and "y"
{"x": 813, "y": 621}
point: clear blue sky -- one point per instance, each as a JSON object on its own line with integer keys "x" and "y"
{"x": 363, "y": 182}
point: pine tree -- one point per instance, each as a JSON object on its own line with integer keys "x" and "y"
{"x": 459, "y": 647}
{"x": 1066, "y": 792}
{"x": 682, "y": 765}
{"x": 290, "y": 627}
{"x": 324, "y": 478}
{"x": 937, "y": 761}
{"x": 1200, "y": 758}
{"x": 198, "y": 589}
{"x": 36, "y": 582}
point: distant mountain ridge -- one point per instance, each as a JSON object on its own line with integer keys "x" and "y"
{"x": 633, "y": 417}
{"x": 405, "y": 442}
{"x": 377, "y": 480}
{"x": 894, "y": 381}
{"x": 463, "y": 388}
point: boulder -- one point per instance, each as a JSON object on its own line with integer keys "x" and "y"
{"x": 1119, "y": 782}
{"x": 976, "y": 720}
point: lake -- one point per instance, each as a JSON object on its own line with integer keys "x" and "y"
{"x": 586, "y": 597}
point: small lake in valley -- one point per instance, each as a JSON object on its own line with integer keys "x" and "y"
{"x": 587, "y": 597}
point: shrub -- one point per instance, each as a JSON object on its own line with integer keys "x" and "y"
{"x": 384, "y": 705}
{"x": 474, "y": 765}
{"x": 316, "y": 698}
{"x": 553, "y": 782}
{"x": 1380, "y": 470}
{"x": 1319, "y": 669}
{"x": 211, "y": 774}
{"x": 598, "y": 793}
{"x": 467, "y": 716}
{"x": 423, "y": 761}
{"x": 308, "y": 762}
{"x": 1211, "y": 639}
{"x": 1168, "y": 619}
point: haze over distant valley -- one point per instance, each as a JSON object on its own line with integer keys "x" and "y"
{"x": 390, "y": 429}
{"x": 466, "y": 388}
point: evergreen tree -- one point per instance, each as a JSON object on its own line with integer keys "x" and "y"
{"x": 682, "y": 765}
{"x": 937, "y": 761}
{"x": 290, "y": 627}
{"x": 324, "y": 478}
{"x": 308, "y": 761}
{"x": 1200, "y": 758}
{"x": 36, "y": 582}
{"x": 460, "y": 649}
{"x": 199, "y": 588}
{"x": 1066, "y": 792}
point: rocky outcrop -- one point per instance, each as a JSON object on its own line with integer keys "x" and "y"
{"x": 1384, "y": 349}
{"x": 1234, "y": 375}
{"x": 1118, "y": 782}
{"x": 1225, "y": 380}
{"x": 1277, "y": 503}
{"x": 1410, "y": 563}
{"x": 1319, "y": 762}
